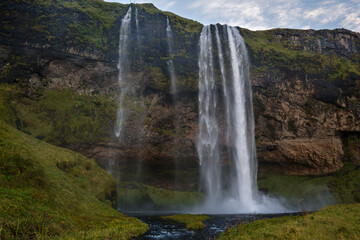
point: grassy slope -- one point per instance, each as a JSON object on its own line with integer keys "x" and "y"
{"x": 47, "y": 191}
{"x": 270, "y": 52}
{"x": 79, "y": 119}
{"x": 335, "y": 222}
{"x": 132, "y": 195}
{"x": 314, "y": 192}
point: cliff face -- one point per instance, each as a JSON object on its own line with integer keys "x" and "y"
{"x": 306, "y": 90}
{"x": 306, "y": 97}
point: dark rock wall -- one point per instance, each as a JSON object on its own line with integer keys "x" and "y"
{"x": 306, "y": 86}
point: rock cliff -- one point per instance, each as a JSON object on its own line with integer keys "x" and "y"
{"x": 306, "y": 90}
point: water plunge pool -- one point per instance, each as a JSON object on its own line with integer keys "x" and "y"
{"x": 160, "y": 228}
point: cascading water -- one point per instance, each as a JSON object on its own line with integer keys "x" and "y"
{"x": 242, "y": 121}
{"x": 170, "y": 63}
{"x": 242, "y": 196}
{"x": 207, "y": 146}
{"x": 137, "y": 18}
{"x": 227, "y": 102}
{"x": 123, "y": 68}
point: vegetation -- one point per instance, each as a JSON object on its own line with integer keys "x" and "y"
{"x": 193, "y": 222}
{"x": 335, "y": 222}
{"x": 277, "y": 51}
{"x": 314, "y": 192}
{"x": 50, "y": 192}
{"x": 89, "y": 23}
{"x": 61, "y": 117}
{"x": 133, "y": 195}
{"x": 351, "y": 147}
{"x": 181, "y": 24}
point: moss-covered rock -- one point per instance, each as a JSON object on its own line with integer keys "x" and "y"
{"x": 193, "y": 222}
{"x": 61, "y": 117}
{"x": 311, "y": 193}
{"x": 134, "y": 196}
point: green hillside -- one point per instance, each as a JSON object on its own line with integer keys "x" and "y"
{"x": 335, "y": 222}
{"x": 50, "y": 192}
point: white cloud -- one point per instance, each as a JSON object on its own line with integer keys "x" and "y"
{"x": 258, "y": 14}
{"x": 170, "y": 4}
{"x": 352, "y": 21}
{"x": 265, "y": 14}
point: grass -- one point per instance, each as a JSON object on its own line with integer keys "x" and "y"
{"x": 183, "y": 25}
{"x": 50, "y": 192}
{"x": 79, "y": 119}
{"x": 193, "y": 222}
{"x": 315, "y": 192}
{"x": 133, "y": 195}
{"x": 89, "y": 28}
{"x": 267, "y": 51}
{"x": 335, "y": 222}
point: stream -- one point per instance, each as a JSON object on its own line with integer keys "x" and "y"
{"x": 168, "y": 229}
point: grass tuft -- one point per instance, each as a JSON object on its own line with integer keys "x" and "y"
{"x": 193, "y": 222}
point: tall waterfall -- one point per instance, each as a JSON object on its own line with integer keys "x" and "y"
{"x": 123, "y": 68}
{"x": 207, "y": 146}
{"x": 170, "y": 63}
{"x": 238, "y": 135}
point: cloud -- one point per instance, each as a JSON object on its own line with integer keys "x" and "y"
{"x": 258, "y": 14}
{"x": 169, "y": 5}
{"x": 352, "y": 21}
{"x": 265, "y": 14}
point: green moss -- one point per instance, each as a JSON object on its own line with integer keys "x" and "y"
{"x": 184, "y": 25}
{"x": 271, "y": 54}
{"x": 193, "y": 222}
{"x": 158, "y": 80}
{"x": 132, "y": 195}
{"x": 335, "y": 222}
{"x": 40, "y": 198}
{"x": 166, "y": 132}
{"x": 88, "y": 23}
{"x": 60, "y": 117}
{"x": 340, "y": 187}
{"x": 197, "y": 225}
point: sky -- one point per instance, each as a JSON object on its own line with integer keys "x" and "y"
{"x": 266, "y": 14}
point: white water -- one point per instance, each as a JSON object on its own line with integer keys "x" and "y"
{"x": 207, "y": 146}
{"x": 227, "y": 102}
{"x": 137, "y": 18}
{"x": 170, "y": 63}
{"x": 123, "y": 68}
{"x": 242, "y": 196}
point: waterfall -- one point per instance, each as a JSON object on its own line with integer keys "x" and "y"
{"x": 137, "y": 18}
{"x": 170, "y": 63}
{"x": 123, "y": 68}
{"x": 242, "y": 117}
{"x": 242, "y": 195}
{"x": 207, "y": 146}
{"x": 227, "y": 101}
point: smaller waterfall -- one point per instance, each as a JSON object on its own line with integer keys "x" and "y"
{"x": 123, "y": 68}
{"x": 170, "y": 63}
{"x": 137, "y": 18}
